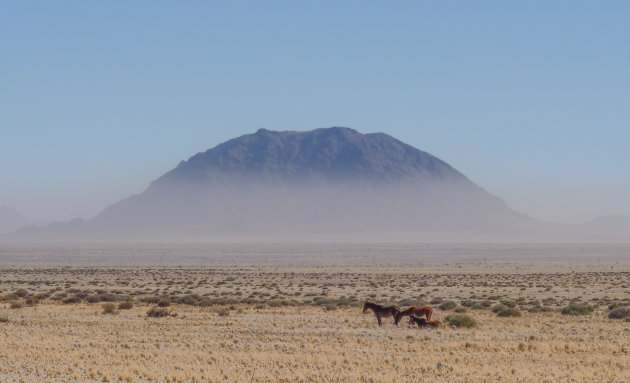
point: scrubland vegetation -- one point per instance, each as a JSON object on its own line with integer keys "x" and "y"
{"x": 304, "y": 324}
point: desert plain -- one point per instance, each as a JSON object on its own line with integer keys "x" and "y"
{"x": 292, "y": 321}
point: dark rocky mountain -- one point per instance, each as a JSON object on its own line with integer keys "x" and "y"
{"x": 325, "y": 181}
{"x": 11, "y": 219}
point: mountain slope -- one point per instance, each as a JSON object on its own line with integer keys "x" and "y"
{"x": 11, "y": 219}
{"x": 333, "y": 180}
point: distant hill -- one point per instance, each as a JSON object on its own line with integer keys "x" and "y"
{"x": 11, "y": 219}
{"x": 326, "y": 181}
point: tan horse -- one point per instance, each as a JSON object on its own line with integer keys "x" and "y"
{"x": 413, "y": 310}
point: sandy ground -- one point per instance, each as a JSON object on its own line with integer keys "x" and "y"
{"x": 256, "y": 342}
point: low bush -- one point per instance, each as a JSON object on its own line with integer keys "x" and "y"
{"x": 461, "y": 309}
{"x": 509, "y": 312}
{"x": 412, "y": 302}
{"x": 126, "y": 305}
{"x": 619, "y": 312}
{"x": 576, "y": 309}
{"x": 498, "y": 307}
{"x": 477, "y": 305}
{"x": 16, "y": 305}
{"x": 614, "y": 305}
{"x": 157, "y": 312}
{"x": 448, "y": 305}
{"x": 72, "y": 299}
{"x": 461, "y": 320}
{"x": 164, "y": 303}
{"x": 508, "y": 303}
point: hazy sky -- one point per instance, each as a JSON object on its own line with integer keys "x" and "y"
{"x": 531, "y": 101}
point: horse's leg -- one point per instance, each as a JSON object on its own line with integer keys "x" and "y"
{"x": 378, "y": 317}
{"x": 429, "y": 315}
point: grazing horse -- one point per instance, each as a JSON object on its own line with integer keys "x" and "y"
{"x": 423, "y": 323}
{"x": 417, "y": 311}
{"x": 381, "y": 311}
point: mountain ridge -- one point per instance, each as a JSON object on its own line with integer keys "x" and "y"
{"x": 328, "y": 180}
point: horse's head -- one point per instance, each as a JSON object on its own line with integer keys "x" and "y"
{"x": 365, "y": 307}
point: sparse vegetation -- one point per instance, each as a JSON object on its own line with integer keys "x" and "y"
{"x": 308, "y": 320}
{"x": 157, "y": 312}
{"x": 109, "y": 308}
{"x": 72, "y": 299}
{"x": 448, "y": 305}
{"x": 619, "y": 312}
{"x": 509, "y": 312}
{"x": 461, "y": 320}
{"x": 576, "y": 309}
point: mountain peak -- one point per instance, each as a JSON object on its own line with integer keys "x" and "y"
{"x": 329, "y": 180}
{"x": 321, "y": 155}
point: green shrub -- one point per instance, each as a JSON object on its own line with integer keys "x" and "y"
{"x": 509, "y": 312}
{"x": 16, "y": 305}
{"x": 21, "y": 293}
{"x": 448, "y": 305}
{"x": 4, "y": 319}
{"x": 164, "y": 303}
{"x": 461, "y": 309}
{"x": 619, "y": 313}
{"x": 461, "y": 320}
{"x": 576, "y": 309}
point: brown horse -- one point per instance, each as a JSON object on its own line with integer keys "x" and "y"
{"x": 381, "y": 311}
{"x": 423, "y": 323}
{"x": 417, "y": 311}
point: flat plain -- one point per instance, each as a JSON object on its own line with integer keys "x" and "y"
{"x": 303, "y": 323}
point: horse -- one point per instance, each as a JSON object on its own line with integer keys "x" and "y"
{"x": 423, "y": 323}
{"x": 381, "y": 311}
{"x": 417, "y": 311}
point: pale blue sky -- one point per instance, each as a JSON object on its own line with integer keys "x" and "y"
{"x": 531, "y": 101}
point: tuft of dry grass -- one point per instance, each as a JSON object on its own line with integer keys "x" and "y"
{"x": 110, "y": 308}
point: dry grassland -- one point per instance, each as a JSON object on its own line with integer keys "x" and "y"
{"x": 301, "y": 324}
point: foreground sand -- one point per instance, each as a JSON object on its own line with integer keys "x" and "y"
{"x": 56, "y": 342}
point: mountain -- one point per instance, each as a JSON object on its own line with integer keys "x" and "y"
{"x": 11, "y": 219}
{"x": 326, "y": 181}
